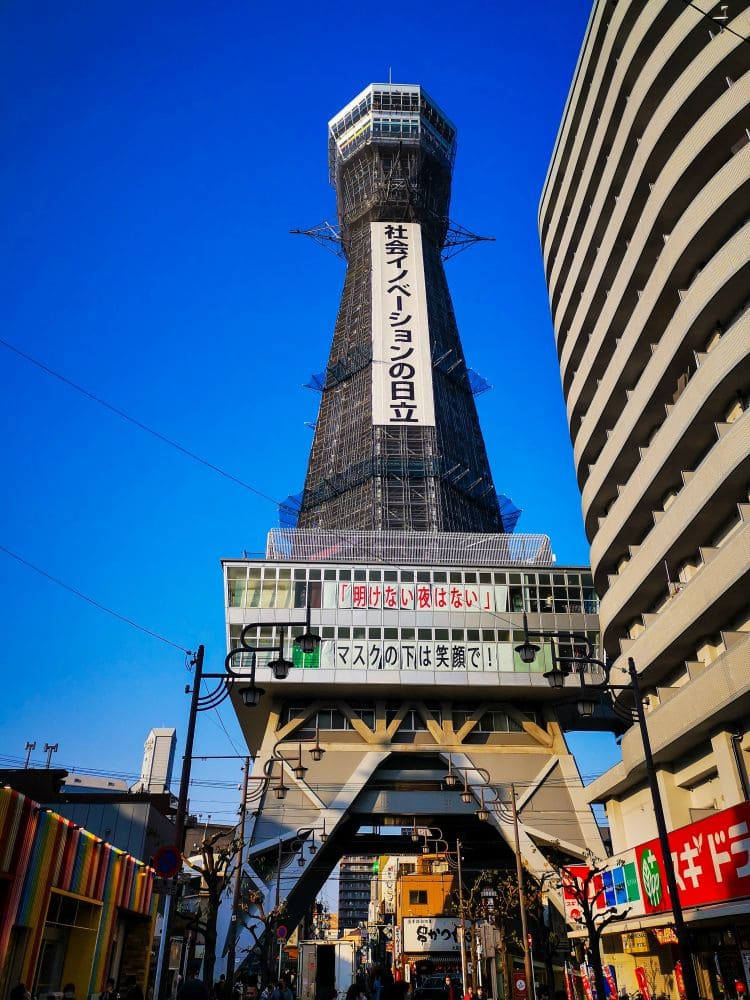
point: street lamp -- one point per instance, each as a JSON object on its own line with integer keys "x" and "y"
{"x": 483, "y": 814}
{"x": 527, "y": 963}
{"x": 250, "y": 695}
{"x": 451, "y": 778}
{"x": 441, "y": 847}
{"x": 310, "y": 831}
{"x": 583, "y": 658}
{"x": 298, "y": 768}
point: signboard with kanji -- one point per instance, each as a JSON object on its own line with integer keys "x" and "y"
{"x": 711, "y": 860}
{"x": 422, "y": 934}
{"x": 614, "y": 888}
{"x": 402, "y": 390}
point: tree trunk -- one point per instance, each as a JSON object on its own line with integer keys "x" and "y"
{"x": 505, "y": 961}
{"x": 209, "y": 936}
{"x": 596, "y": 958}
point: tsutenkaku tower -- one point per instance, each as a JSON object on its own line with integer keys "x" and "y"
{"x": 404, "y": 566}
{"x": 397, "y": 442}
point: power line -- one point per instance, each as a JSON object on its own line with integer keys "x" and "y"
{"x": 320, "y": 786}
{"x": 138, "y": 423}
{"x": 90, "y": 600}
{"x": 220, "y": 725}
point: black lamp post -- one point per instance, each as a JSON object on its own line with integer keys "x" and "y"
{"x": 590, "y": 692}
{"x": 298, "y": 768}
{"x": 250, "y": 694}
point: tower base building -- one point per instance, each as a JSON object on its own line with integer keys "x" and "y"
{"x": 415, "y": 713}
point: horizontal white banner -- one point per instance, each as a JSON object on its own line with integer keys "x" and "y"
{"x": 418, "y": 596}
{"x": 378, "y": 655}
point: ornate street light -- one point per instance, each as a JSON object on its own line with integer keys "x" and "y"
{"x": 482, "y": 813}
{"x": 251, "y": 695}
{"x": 295, "y": 763}
{"x": 589, "y": 693}
{"x": 451, "y": 779}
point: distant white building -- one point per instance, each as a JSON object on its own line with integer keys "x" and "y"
{"x": 158, "y": 759}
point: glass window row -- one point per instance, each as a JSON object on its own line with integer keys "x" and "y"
{"x": 331, "y": 719}
{"x": 270, "y": 635}
{"x": 254, "y": 571}
{"x": 273, "y": 587}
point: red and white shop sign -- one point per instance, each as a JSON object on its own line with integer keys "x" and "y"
{"x": 572, "y": 892}
{"x": 711, "y": 860}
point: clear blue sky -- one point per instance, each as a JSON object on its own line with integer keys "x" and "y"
{"x": 155, "y": 157}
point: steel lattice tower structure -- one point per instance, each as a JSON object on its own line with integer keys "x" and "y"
{"x": 391, "y": 153}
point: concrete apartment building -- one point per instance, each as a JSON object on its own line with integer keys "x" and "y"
{"x": 645, "y": 231}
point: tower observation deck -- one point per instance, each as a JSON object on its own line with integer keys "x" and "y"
{"x": 397, "y": 441}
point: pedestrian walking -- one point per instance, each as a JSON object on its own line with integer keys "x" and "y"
{"x": 193, "y": 988}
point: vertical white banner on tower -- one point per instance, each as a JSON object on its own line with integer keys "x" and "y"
{"x": 401, "y": 362}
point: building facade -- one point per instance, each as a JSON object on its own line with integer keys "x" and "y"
{"x": 645, "y": 235}
{"x": 73, "y": 908}
{"x": 416, "y": 676}
{"x": 428, "y": 928}
{"x": 355, "y": 876}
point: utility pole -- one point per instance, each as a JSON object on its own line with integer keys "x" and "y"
{"x": 684, "y": 948}
{"x": 187, "y": 760}
{"x": 29, "y": 748}
{"x": 179, "y": 821}
{"x": 462, "y": 925}
{"x": 530, "y": 991}
{"x": 232, "y": 951}
{"x": 49, "y": 749}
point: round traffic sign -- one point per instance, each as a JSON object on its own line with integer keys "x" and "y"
{"x": 281, "y": 932}
{"x": 520, "y": 984}
{"x": 167, "y": 860}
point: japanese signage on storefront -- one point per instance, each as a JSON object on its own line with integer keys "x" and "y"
{"x": 388, "y": 878}
{"x": 401, "y": 361}
{"x": 665, "y": 935}
{"x": 615, "y": 887}
{"x": 635, "y": 943}
{"x": 423, "y": 934}
{"x": 711, "y": 860}
{"x": 642, "y": 978}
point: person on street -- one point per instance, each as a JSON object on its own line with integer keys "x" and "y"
{"x": 109, "y": 992}
{"x": 284, "y": 992}
{"x": 193, "y": 988}
{"x": 450, "y": 990}
{"x": 69, "y": 991}
{"x": 220, "y": 988}
{"x": 133, "y": 989}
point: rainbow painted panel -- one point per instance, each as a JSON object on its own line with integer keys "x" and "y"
{"x": 42, "y": 851}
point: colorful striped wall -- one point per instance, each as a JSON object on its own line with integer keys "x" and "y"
{"x": 41, "y": 851}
